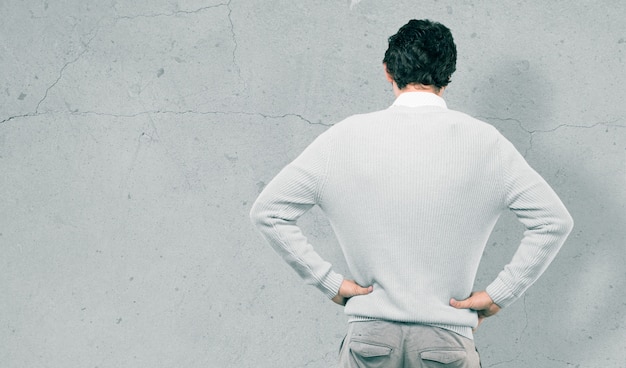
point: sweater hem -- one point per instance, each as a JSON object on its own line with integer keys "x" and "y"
{"x": 464, "y": 331}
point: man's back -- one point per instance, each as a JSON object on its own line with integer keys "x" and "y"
{"x": 413, "y": 194}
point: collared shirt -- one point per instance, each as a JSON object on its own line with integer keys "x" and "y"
{"x": 416, "y": 99}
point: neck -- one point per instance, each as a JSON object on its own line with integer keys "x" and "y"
{"x": 417, "y": 88}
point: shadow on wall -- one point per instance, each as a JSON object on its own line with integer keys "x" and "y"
{"x": 583, "y": 310}
{"x": 591, "y": 302}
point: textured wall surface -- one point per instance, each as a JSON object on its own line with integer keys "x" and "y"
{"x": 134, "y": 136}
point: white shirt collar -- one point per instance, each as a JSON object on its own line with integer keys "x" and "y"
{"x": 417, "y": 99}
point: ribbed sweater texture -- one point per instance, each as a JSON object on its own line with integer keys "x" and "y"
{"x": 412, "y": 193}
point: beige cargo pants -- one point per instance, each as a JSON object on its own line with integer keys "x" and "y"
{"x": 372, "y": 344}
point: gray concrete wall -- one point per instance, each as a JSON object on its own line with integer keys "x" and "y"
{"x": 135, "y": 135}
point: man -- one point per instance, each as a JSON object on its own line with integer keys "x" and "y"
{"x": 412, "y": 193}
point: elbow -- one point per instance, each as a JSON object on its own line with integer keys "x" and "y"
{"x": 568, "y": 223}
{"x": 564, "y": 222}
{"x": 256, "y": 214}
{"x": 260, "y": 214}
{"x": 559, "y": 224}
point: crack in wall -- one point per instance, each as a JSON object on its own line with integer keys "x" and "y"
{"x": 185, "y": 112}
{"x": 232, "y": 31}
{"x": 531, "y": 133}
{"x": 95, "y": 33}
{"x": 156, "y": 112}
{"x": 177, "y": 12}
{"x": 562, "y": 361}
{"x": 18, "y": 117}
{"x": 45, "y": 96}
{"x": 58, "y": 79}
{"x": 521, "y": 125}
{"x": 186, "y": 12}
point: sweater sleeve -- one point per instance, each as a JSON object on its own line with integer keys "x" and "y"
{"x": 547, "y": 223}
{"x": 287, "y": 197}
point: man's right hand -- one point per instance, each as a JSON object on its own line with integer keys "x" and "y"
{"x": 480, "y": 302}
{"x": 348, "y": 289}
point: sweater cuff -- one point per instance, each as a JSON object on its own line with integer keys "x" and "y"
{"x": 500, "y": 293}
{"x": 331, "y": 284}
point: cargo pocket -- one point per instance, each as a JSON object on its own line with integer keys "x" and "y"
{"x": 451, "y": 357}
{"x": 364, "y": 354}
{"x": 367, "y": 350}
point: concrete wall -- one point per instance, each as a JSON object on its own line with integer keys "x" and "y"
{"x": 135, "y": 135}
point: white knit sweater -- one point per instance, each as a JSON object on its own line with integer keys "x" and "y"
{"x": 412, "y": 193}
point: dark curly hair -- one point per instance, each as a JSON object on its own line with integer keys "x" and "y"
{"x": 421, "y": 52}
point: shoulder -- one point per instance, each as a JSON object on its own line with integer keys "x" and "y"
{"x": 364, "y": 117}
{"x": 360, "y": 121}
{"x": 475, "y": 123}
